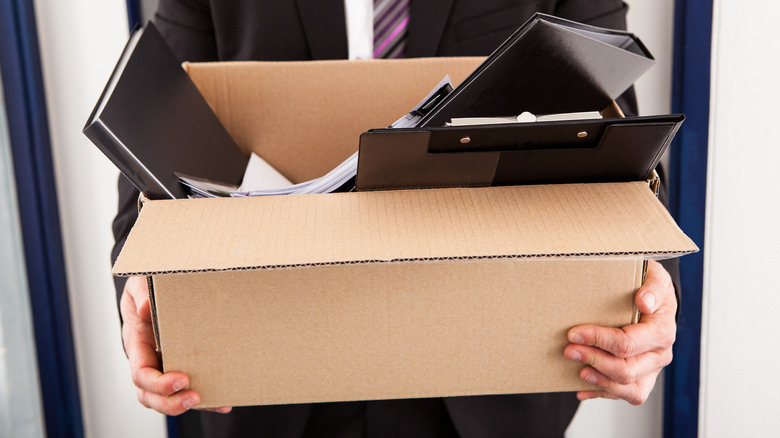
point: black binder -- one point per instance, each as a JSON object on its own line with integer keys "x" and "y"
{"x": 152, "y": 121}
{"x": 601, "y": 150}
{"x": 548, "y": 66}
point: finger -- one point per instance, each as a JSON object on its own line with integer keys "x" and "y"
{"x": 144, "y": 363}
{"x": 174, "y": 404}
{"x": 138, "y": 291}
{"x": 152, "y": 380}
{"x": 623, "y": 371}
{"x": 138, "y": 338}
{"x": 587, "y": 395}
{"x": 222, "y": 410}
{"x": 635, "y": 393}
{"x": 629, "y": 341}
{"x": 656, "y": 331}
{"x": 613, "y": 340}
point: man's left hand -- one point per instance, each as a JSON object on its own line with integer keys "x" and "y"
{"x": 625, "y": 362}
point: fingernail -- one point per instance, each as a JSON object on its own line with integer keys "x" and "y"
{"x": 590, "y": 378}
{"x": 188, "y": 403}
{"x": 179, "y": 384}
{"x": 649, "y": 300}
{"x": 574, "y": 355}
{"x": 576, "y": 338}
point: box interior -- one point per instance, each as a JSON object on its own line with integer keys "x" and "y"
{"x": 304, "y": 118}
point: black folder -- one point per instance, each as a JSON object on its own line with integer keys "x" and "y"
{"x": 548, "y": 66}
{"x": 601, "y": 150}
{"x": 151, "y": 121}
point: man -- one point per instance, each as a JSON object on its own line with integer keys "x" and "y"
{"x": 623, "y": 362}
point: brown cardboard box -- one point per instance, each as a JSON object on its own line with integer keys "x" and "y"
{"x": 377, "y": 295}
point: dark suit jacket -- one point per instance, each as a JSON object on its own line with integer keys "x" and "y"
{"x": 276, "y": 30}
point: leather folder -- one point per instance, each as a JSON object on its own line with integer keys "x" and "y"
{"x": 549, "y": 65}
{"x": 600, "y": 150}
{"x": 152, "y": 122}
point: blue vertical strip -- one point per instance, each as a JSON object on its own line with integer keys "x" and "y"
{"x": 32, "y": 160}
{"x": 133, "y": 13}
{"x": 688, "y": 175}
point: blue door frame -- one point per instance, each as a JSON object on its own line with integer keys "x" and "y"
{"x": 688, "y": 183}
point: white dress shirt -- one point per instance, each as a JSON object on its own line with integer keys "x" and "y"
{"x": 360, "y": 28}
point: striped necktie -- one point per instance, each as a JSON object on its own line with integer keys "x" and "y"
{"x": 391, "y": 18}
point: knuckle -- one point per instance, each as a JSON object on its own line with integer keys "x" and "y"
{"x": 626, "y": 376}
{"x": 668, "y": 338}
{"x": 593, "y": 360}
{"x": 666, "y": 357}
{"x": 625, "y": 347}
{"x": 136, "y": 376}
{"x": 157, "y": 385}
{"x": 142, "y": 398}
{"x": 638, "y": 398}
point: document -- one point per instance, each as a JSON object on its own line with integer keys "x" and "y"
{"x": 262, "y": 179}
{"x": 524, "y": 117}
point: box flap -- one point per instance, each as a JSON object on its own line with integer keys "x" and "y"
{"x": 284, "y": 111}
{"x": 568, "y": 220}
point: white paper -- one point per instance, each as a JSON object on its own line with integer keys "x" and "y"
{"x": 525, "y": 117}
{"x": 259, "y": 175}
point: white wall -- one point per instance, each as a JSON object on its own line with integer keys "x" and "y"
{"x": 740, "y": 385}
{"x": 653, "y": 22}
{"x": 80, "y": 42}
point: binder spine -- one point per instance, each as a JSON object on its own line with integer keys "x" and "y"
{"x": 125, "y": 160}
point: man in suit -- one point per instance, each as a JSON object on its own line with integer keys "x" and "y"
{"x": 623, "y": 362}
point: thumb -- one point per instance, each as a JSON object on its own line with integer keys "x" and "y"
{"x": 137, "y": 289}
{"x": 646, "y": 301}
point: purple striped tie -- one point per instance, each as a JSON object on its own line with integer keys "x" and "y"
{"x": 391, "y": 18}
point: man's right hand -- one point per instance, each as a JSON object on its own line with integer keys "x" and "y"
{"x": 165, "y": 393}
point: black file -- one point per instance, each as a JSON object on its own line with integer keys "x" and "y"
{"x": 151, "y": 121}
{"x": 548, "y": 66}
{"x": 603, "y": 150}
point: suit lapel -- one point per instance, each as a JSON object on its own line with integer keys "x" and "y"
{"x": 427, "y": 21}
{"x": 325, "y": 27}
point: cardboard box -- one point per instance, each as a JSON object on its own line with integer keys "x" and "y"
{"x": 379, "y": 295}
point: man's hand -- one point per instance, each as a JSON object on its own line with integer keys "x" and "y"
{"x": 625, "y": 362}
{"x": 165, "y": 393}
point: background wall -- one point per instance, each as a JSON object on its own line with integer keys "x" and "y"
{"x": 80, "y": 43}
{"x": 739, "y": 380}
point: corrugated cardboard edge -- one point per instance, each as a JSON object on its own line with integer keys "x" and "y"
{"x": 588, "y": 220}
{"x": 153, "y": 311}
{"x": 562, "y": 256}
{"x": 636, "y": 314}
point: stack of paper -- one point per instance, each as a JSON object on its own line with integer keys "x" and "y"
{"x": 261, "y": 179}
